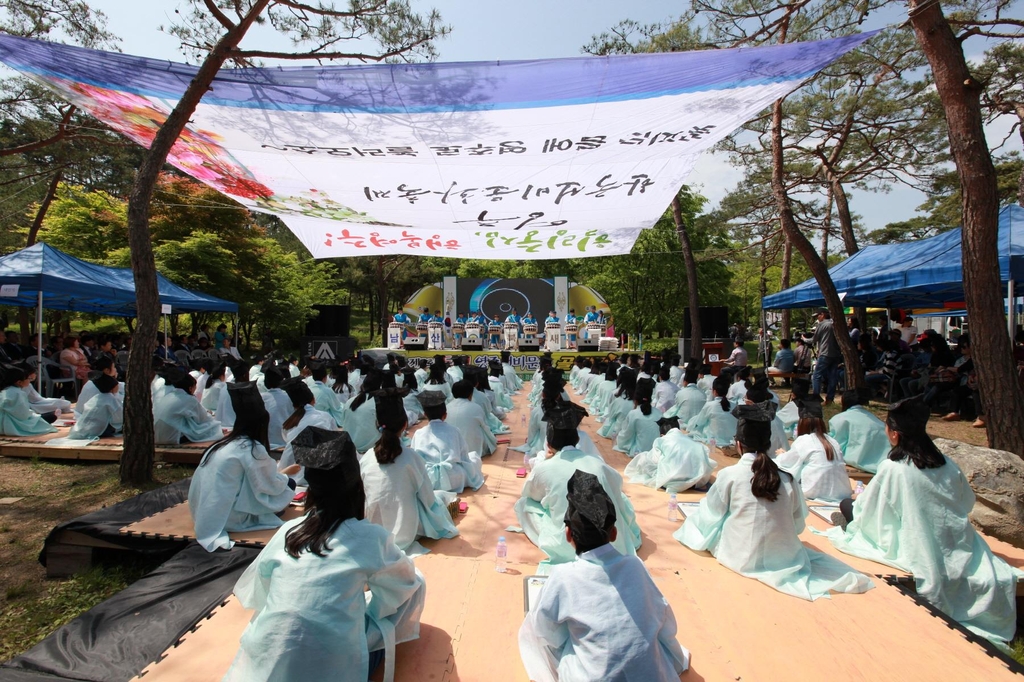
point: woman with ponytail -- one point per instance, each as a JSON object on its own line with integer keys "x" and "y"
{"x": 913, "y": 515}
{"x": 305, "y": 415}
{"x": 332, "y": 592}
{"x": 361, "y": 417}
{"x": 751, "y": 518}
{"x": 619, "y": 405}
{"x": 214, "y": 385}
{"x": 640, "y": 429}
{"x": 815, "y": 459}
{"x": 399, "y": 493}
{"x": 715, "y": 421}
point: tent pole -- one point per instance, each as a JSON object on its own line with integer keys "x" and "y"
{"x": 1011, "y": 313}
{"x": 39, "y": 342}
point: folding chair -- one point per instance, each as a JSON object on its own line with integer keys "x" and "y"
{"x": 48, "y": 381}
{"x": 183, "y": 357}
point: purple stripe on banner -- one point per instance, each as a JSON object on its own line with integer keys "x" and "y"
{"x": 448, "y": 87}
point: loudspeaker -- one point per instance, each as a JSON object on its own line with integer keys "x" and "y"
{"x": 714, "y": 322}
{"x": 529, "y": 346}
{"x": 584, "y": 346}
{"x": 413, "y": 345}
{"x": 331, "y": 320}
{"x": 472, "y": 345}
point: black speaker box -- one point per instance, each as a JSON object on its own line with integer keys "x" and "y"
{"x": 331, "y": 320}
{"x": 714, "y": 322}
{"x": 529, "y": 346}
{"x": 469, "y": 345}
{"x": 413, "y": 345}
{"x": 587, "y": 346}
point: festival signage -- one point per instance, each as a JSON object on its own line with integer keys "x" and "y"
{"x": 524, "y": 160}
{"x": 524, "y": 363}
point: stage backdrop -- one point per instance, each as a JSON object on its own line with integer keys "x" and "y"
{"x": 556, "y": 158}
{"x": 497, "y": 297}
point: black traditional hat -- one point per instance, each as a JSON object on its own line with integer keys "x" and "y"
{"x": 273, "y": 377}
{"x": 298, "y": 391}
{"x": 810, "y": 407}
{"x": 105, "y": 383}
{"x": 801, "y": 387}
{"x": 910, "y": 415}
{"x": 391, "y": 408}
{"x": 245, "y": 397}
{"x": 666, "y": 424}
{"x": 431, "y": 398}
{"x": 324, "y": 449}
{"x": 590, "y": 512}
{"x": 758, "y": 391}
{"x": 179, "y": 379}
{"x": 564, "y": 416}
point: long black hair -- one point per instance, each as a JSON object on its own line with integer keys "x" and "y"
{"x": 627, "y": 383}
{"x": 391, "y": 421}
{"x": 252, "y": 423}
{"x": 334, "y": 496}
{"x": 756, "y": 437}
{"x": 216, "y": 373}
{"x": 642, "y": 395}
{"x": 437, "y": 373}
{"x": 371, "y": 382}
{"x": 721, "y": 387}
{"x": 816, "y": 425}
{"x": 340, "y": 374}
{"x": 909, "y": 419}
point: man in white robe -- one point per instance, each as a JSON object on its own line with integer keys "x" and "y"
{"x": 470, "y": 419}
{"x": 450, "y": 463}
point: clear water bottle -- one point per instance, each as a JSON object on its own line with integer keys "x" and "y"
{"x": 501, "y": 555}
{"x": 859, "y": 488}
{"x": 522, "y": 416}
{"x": 673, "y": 507}
{"x": 712, "y": 444}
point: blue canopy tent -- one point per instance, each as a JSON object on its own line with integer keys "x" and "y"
{"x": 927, "y": 273}
{"x": 43, "y": 276}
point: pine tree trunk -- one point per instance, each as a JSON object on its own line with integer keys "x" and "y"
{"x": 137, "y": 458}
{"x": 960, "y": 94}
{"x": 787, "y": 267}
{"x": 696, "y": 333}
{"x": 819, "y": 269}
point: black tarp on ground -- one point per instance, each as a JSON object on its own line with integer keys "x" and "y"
{"x": 107, "y": 523}
{"x": 116, "y": 639}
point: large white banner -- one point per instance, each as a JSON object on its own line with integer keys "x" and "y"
{"x": 561, "y": 158}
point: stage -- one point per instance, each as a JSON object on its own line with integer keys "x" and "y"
{"x": 525, "y": 363}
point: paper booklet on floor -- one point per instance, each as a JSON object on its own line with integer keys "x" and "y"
{"x": 532, "y": 585}
{"x": 687, "y": 508}
{"x": 825, "y": 512}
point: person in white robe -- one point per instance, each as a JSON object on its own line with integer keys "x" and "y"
{"x": 469, "y": 418}
{"x": 455, "y": 371}
{"x": 619, "y": 404}
{"x": 502, "y": 398}
{"x": 17, "y": 418}
{"x": 216, "y": 382}
{"x": 705, "y": 379}
{"x": 675, "y": 462}
{"x": 437, "y": 380}
{"x": 106, "y": 366}
{"x": 715, "y": 421}
{"x": 815, "y": 459}
{"x": 542, "y": 504}
{"x": 914, "y": 516}
{"x": 603, "y": 391}
{"x": 751, "y": 518}
{"x": 277, "y": 403}
{"x": 331, "y": 593}
{"x": 859, "y": 433}
{"x": 512, "y": 381}
{"x": 450, "y": 464}
{"x": 340, "y": 384}
{"x": 599, "y": 617}
{"x": 103, "y": 414}
{"x": 738, "y": 389}
{"x": 675, "y": 371}
{"x": 326, "y": 399}
{"x": 665, "y": 392}
{"x": 304, "y": 414}
{"x": 640, "y": 428}
{"x": 237, "y": 486}
{"x": 399, "y": 494}
{"x": 179, "y": 417}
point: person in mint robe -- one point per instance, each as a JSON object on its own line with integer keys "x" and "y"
{"x": 103, "y": 415}
{"x": 619, "y": 404}
{"x": 715, "y": 421}
{"x": 640, "y": 428}
{"x": 599, "y": 617}
{"x": 815, "y": 459}
{"x": 689, "y": 400}
{"x": 542, "y": 506}
{"x": 752, "y": 516}
{"x": 859, "y": 433}
{"x": 326, "y": 399}
{"x": 17, "y": 418}
{"x": 675, "y": 462}
{"x": 450, "y": 464}
{"x": 914, "y": 516}
{"x": 361, "y": 413}
{"x": 470, "y": 419}
{"x": 304, "y": 414}
{"x": 278, "y": 404}
{"x": 237, "y": 486}
{"x": 178, "y": 417}
{"x": 502, "y": 398}
{"x": 511, "y": 380}
{"x": 331, "y": 593}
{"x": 399, "y": 494}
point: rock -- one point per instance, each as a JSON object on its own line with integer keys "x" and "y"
{"x": 997, "y": 478}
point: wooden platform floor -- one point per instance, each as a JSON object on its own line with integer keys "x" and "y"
{"x": 102, "y": 450}
{"x": 735, "y": 628}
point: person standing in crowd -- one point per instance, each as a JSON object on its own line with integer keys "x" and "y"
{"x": 219, "y": 336}
{"x": 826, "y": 369}
{"x": 908, "y": 331}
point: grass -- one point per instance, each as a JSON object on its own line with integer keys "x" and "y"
{"x": 1017, "y": 649}
{"x": 31, "y": 605}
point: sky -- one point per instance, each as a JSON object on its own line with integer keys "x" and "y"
{"x": 484, "y": 30}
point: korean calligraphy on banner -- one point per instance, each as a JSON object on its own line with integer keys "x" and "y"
{"x": 563, "y": 158}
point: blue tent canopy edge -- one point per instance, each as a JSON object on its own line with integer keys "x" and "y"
{"x": 927, "y": 273}
{"x": 69, "y": 283}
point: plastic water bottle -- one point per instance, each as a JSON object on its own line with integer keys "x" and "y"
{"x": 501, "y": 555}
{"x": 673, "y": 507}
{"x": 859, "y": 488}
{"x": 712, "y": 444}
{"x": 522, "y": 417}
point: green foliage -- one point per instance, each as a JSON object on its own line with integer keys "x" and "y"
{"x": 85, "y": 224}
